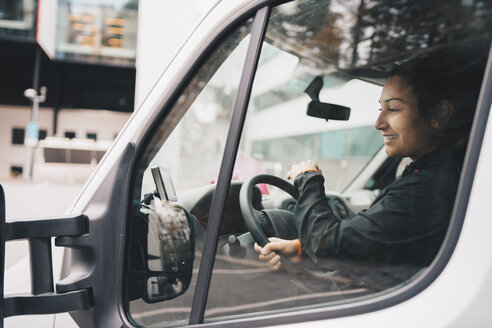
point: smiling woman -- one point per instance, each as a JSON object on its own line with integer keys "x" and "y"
{"x": 407, "y": 222}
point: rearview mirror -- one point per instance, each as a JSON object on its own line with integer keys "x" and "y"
{"x": 324, "y": 110}
{"x": 328, "y": 111}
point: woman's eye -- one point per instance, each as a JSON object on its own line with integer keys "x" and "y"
{"x": 390, "y": 109}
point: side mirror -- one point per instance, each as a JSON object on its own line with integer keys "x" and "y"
{"x": 324, "y": 110}
{"x": 170, "y": 266}
{"x": 163, "y": 244}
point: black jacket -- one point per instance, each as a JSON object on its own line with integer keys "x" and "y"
{"x": 405, "y": 224}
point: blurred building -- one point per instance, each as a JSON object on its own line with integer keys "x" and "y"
{"x": 83, "y": 52}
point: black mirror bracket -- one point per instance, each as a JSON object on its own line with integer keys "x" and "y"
{"x": 43, "y": 299}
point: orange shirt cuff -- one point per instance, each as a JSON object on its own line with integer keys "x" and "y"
{"x": 317, "y": 171}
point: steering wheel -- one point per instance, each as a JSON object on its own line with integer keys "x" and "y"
{"x": 252, "y": 216}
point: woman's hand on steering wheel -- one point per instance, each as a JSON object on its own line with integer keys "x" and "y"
{"x": 303, "y": 166}
{"x": 268, "y": 254}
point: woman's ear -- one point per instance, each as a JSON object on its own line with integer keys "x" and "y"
{"x": 443, "y": 113}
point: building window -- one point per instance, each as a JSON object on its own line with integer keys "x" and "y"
{"x": 103, "y": 32}
{"x": 18, "y": 135}
{"x": 92, "y": 136}
{"x": 69, "y": 134}
{"x": 42, "y": 134}
{"x": 17, "y": 18}
{"x": 15, "y": 170}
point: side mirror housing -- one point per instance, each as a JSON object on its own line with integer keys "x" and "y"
{"x": 169, "y": 225}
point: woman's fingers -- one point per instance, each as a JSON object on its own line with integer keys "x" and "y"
{"x": 274, "y": 260}
{"x": 264, "y": 255}
{"x": 270, "y": 252}
{"x": 258, "y": 249}
{"x": 270, "y": 257}
{"x": 276, "y": 266}
{"x": 285, "y": 247}
{"x": 303, "y": 166}
{"x": 267, "y": 257}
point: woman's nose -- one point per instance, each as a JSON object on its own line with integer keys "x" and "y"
{"x": 381, "y": 122}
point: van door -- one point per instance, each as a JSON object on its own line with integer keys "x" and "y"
{"x": 204, "y": 117}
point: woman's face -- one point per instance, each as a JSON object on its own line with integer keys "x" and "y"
{"x": 405, "y": 133}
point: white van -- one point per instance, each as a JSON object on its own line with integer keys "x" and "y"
{"x": 163, "y": 232}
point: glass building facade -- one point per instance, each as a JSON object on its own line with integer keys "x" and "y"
{"x": 17, "y": 18}
{"x": 97, "y": 31}
{"x": 94, "y": 31}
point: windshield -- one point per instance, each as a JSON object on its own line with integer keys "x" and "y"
{"x": 351, "y": 50}
{"x": 278, "y": 131}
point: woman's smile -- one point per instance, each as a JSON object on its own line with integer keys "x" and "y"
{"x": 388, "y": 138}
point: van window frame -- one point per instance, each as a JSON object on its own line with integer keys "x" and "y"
{"x": 232, "y": 143}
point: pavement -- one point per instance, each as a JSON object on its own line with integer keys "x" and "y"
{"x": 34, "y": 199}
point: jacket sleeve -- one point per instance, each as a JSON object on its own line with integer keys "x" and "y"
{"x": 397, "y": 218}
